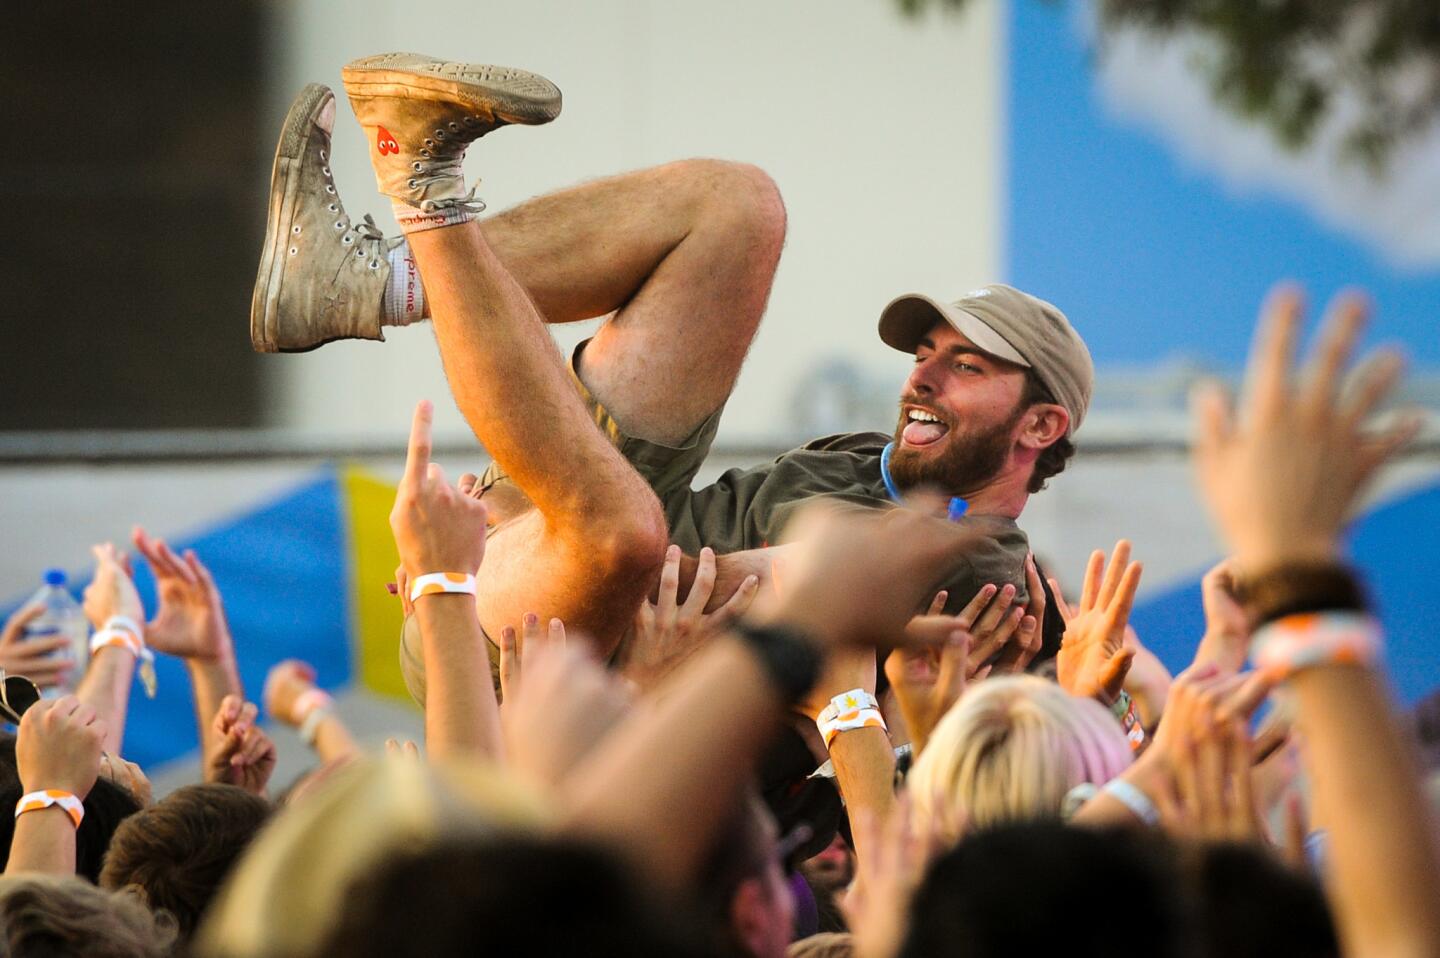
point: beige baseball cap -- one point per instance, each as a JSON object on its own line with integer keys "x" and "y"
{"x": 1008, "y": 324}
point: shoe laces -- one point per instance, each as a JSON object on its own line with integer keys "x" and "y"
{"x": 440, "y": 162}
{"x": 371, "y": 241}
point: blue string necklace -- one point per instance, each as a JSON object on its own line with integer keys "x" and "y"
{"x": 957, "y": 505}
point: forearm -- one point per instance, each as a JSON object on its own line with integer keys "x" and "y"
{"x": 1148, "y": 683}
{"x": 44, "y": 841}
{"x": 1384, "y": 876}
{"x": 106, "y": 689}
{"x": 211, "y": 679}
{"x": 624, "y": 789}
{"x": 333, "y": 740}
{"x": 865, "y": 772}
{"x": 461, "y": 713}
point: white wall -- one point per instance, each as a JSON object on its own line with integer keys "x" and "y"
{"x": 882, "y": 133}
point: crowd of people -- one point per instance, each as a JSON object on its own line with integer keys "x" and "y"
{"x": 831, "y": 705}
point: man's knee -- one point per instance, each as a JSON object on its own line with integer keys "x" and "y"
{"x": 628, "y": 545}
{"x": 738, "y": 197}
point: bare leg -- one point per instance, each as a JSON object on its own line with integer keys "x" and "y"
{"x": 683, "y": 254}
{"x": 596, "y": 540}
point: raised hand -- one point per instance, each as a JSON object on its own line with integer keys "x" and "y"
{"x": 128, "y": 776}
{"x": 284, "y": 684}
{"x": 111, "y": 592}
{"x": 1204, "y": 742}
{"x": 1094, "y": 659}
{"x": 513, "y": 646}
{"x": 59, "y": 745}
{"x": 1028, "y": 637}
{"x": 1282, "y": 477}
{"x": 830, "y": 581}
{"x": 243, "y": 754}
{"x": 190, "y": 621}
{"x": 565, "y": 706}
{"x": 46, "y": 660}
{"x": 927, "y": 682}
{"x": 667, "y": 631}
{"x": 1227, "y": 629}
{"x": 437, "y": 528}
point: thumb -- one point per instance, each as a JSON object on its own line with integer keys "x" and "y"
{"x": 1112, "y": 674}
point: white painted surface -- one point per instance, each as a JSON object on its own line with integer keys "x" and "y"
{"x": 883, "y": 134}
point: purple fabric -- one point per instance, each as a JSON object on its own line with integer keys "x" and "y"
{"x": 807, "y": 913}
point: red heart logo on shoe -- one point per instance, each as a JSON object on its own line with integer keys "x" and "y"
{"x": 385, "y": 142}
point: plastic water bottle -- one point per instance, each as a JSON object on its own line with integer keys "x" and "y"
{"x": 62, "y": 616}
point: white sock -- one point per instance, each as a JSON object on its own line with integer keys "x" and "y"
{"x": 412, "y": 219}
{"x": 404, "y": 293}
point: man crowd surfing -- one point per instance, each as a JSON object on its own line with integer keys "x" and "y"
{"x": 827, "y": 705}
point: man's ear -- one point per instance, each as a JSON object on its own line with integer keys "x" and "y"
{"x": 749, "y": 914}
{"x": 1045, "y": 425}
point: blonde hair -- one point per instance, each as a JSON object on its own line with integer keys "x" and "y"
{"x": 1011, "y": 749}
{"x": 286, "y": 893}
{"x": 69, "y": 916}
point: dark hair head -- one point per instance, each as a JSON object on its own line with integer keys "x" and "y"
{"x": 1036, "y": 889}
{"x": 1251, "y": 906}
{"x": 177, "y": 852}
{"x": 519, "y": 895}
{"x": 106, "y": 807}
{"x": 1054, "y": 457}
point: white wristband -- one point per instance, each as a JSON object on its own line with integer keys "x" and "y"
{"x": 34, "y": 801}
{"x": 849, "y": 710}
{"x": 1134, "y": 799}
{"x": 310, "y": 728}
{"x": 118, "y": 630}
{"x": 436, "y": 583}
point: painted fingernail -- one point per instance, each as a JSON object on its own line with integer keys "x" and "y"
{"x": 392, "y": 588}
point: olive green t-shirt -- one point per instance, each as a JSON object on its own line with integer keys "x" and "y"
{"x": 749, "y": 508}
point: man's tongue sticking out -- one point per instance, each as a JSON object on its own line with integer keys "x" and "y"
{"x": 923, "y": 433}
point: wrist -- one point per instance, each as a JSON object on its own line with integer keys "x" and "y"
{"x": 789, "y": 658}
{"x": 1300, "y": 587}
{"x": 1254, "y": 557}
{"x": 441, "y": 583}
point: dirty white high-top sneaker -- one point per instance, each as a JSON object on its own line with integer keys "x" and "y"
{"x": 420, "y": 113}
{"x": 321, "y": 277}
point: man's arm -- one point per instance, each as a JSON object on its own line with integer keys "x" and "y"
{"x": 1280, "y": 479}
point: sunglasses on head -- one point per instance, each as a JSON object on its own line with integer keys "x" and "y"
{"x": 17, "y": 694}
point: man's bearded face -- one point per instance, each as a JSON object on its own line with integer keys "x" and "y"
{"x": 956, "y": 457}
{"x": 958, "y": 415}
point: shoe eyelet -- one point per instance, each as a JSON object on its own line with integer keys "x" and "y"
{"x": 454, "y": 127}
{"x": 374, "y": 264}
{"x": 339, "y": 224}
{"x": 429, "y": 142}
{"x": 330, "y": 188}
{"x": 294, "y": 250}
{"x": 439, "y": 134}
{"x": 295, "y": 230}
{"x": 470, "y": 121}
{"x": 410, "y": 184}
{"x": 425, "y": 154}
{"x": 359, "y": 254}
{"x": 323, "y": 156}
{"x": 347, "y": 239}
{"x": 325, "y": 170}
{"x": 333, "y": 208}
{"x": 416, "y": 166}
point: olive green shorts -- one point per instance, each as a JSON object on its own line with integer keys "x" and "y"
{"x": 668, "y": 469}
